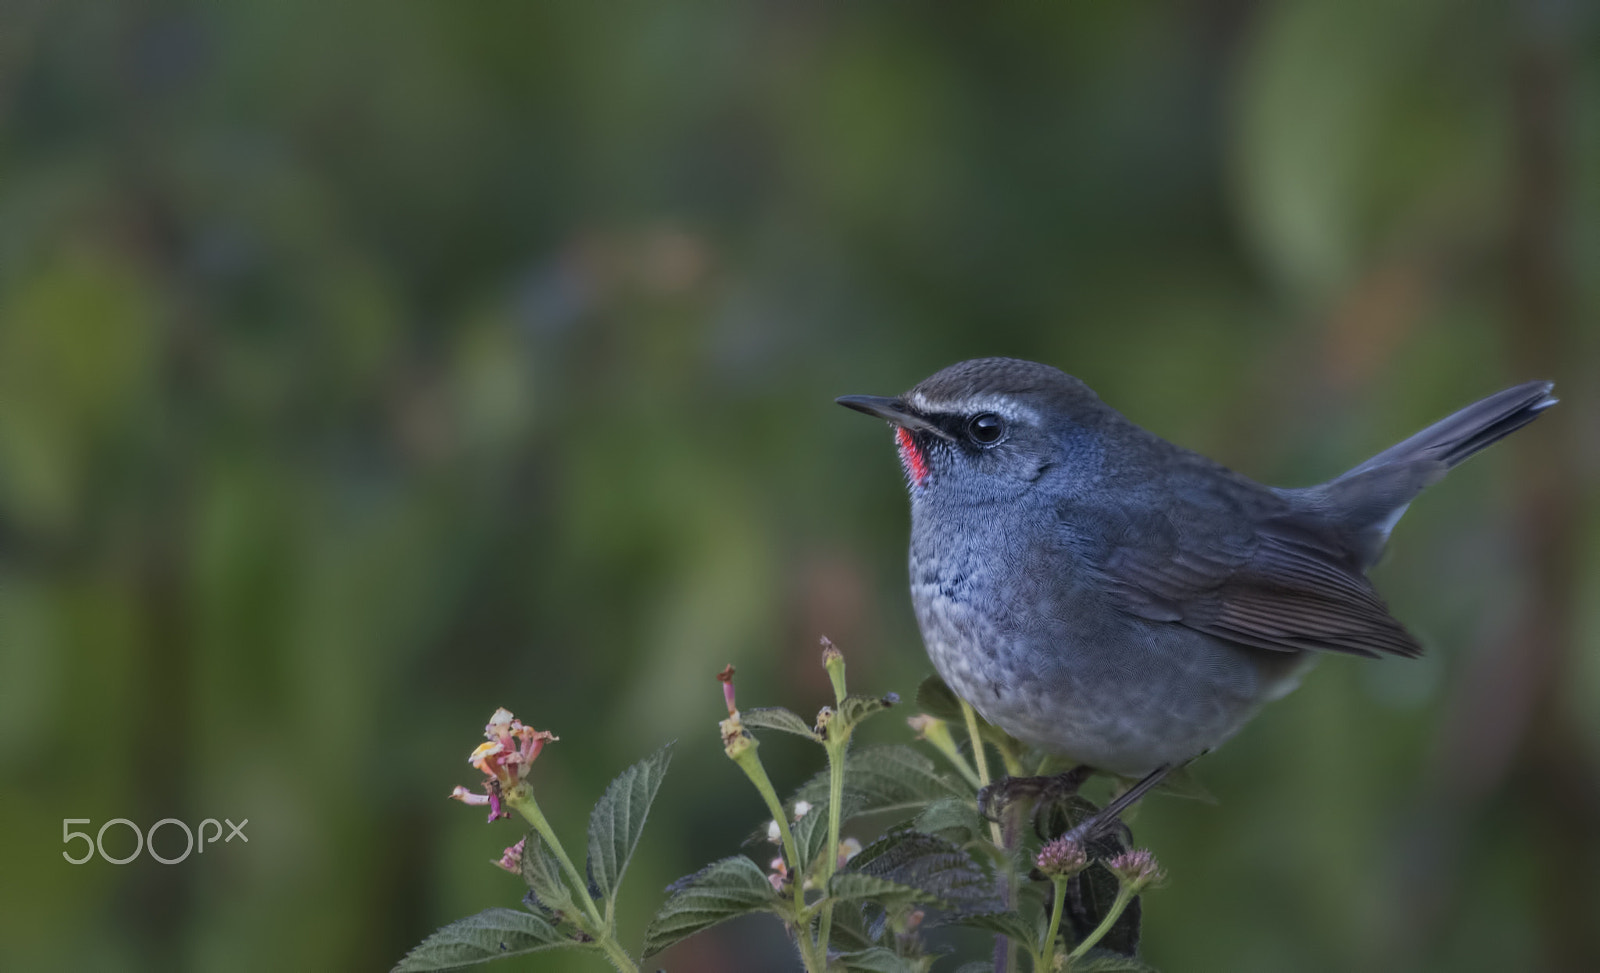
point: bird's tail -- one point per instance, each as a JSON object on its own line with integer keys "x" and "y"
{"x": 1364, "y": 504}
{"x": 1459, "y": 435}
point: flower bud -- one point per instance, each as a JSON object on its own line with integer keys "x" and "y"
{"x": 848, "y": 849}
{"x": 511, "y": 861}
{"x": 833, "y": 661}
{"x": 1136, "y": 869}
{"x": 726, "y": 678}
{"x": 1062, "y": 857}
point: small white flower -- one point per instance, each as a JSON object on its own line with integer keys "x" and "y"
{"x": 801, "y": 809}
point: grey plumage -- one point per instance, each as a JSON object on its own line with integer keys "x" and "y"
{"x": 1102, "y": 593}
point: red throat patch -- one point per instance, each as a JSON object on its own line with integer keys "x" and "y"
{"x": 916, "y": 465}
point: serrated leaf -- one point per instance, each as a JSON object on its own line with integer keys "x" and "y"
{"x": 543, "y": 874}
{"x": 776, "y": 718}
{"x": 933, "y": 865}
{"x": 619, "y": 817}
{"x": 953, "y": 818}
{"x": 1008, "y": 923}
{"x": 731, "y": 887}
{"x": 857, "y": 886}
{"x": 491, "y": 934}
{"x": 855, "y": 710}
{"x": 811, "y": 831}
{"x": 850, "y": 929}
{"x": 878, "y": 960}
{"x": 1101, "y": 961}
{"x": 886, "y": 778}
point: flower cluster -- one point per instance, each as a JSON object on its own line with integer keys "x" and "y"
{"x": 1136, "y": 868}
{"x": 1062, "y": 857}
{"x": 505, "y": 759}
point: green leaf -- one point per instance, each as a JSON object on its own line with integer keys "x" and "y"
{"x": 811, "y": 831}
{"x": 857, "y": 886}
{"x": 1101, "y": 961}
{"x": 776, "y": 718}
{"x": 491, "y": 934}
{"x": 618, "y": 818}
{"x": 886, "y": 778}
{"x": 930, "y": 864}
{"x": 543, "y": 874}
{"x": 851, "y": 930}
{"x": 1010, "y": 924}
{"x": 953, "y": 818}
{"x": 936, "y": 698}
{"x": 879, "y": 960}
{"x": 854, "y": 711}
{"x": 731, "y": 887}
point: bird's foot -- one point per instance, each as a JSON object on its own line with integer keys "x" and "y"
{"x": 994, "y": 799}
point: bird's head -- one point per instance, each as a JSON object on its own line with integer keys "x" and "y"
{"x": 985, "y": 429}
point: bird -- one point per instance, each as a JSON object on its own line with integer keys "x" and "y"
{"x": 1107, "y": 596}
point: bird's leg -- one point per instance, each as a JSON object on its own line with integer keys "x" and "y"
{"x": 994, "y": 799}
{"x": 1103, "y": 820}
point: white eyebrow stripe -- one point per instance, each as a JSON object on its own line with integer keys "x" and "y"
{"x": 1009, "y": 408}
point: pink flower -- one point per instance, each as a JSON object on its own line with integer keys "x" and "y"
{"x": 1136, "y": 868}
{"x": 778, "y": 877}
{"x": 726, "y": 678}
{"x": 1062, "y": 857}
{"x": 504, "y": 760}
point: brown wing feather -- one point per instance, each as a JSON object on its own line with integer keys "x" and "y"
{"x": 1278, "y": 585}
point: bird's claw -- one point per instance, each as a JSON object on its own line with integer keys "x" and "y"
{"x": 994, "y": 799}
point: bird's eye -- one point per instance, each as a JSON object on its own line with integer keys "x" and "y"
{"x": 986, "y": 428}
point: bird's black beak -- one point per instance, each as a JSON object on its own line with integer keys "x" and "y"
{"x": 892, "y": 410}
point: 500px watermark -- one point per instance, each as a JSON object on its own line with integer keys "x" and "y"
{"x": 146, "y": 840}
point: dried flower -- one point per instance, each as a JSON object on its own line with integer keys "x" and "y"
{"x": 778, "y": 875}
{"x": 848, "y": 849}
{"x": 1062, "y": 857}
{"x": 830, "y": 653}
{"x": 1136, "y": 869}
{"x": 726, "y": 678}
{"x": 504, "y": 760}
{"x": 511, "y": 861}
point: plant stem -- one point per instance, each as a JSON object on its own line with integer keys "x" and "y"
{"x": 937, "y": 732}
{"x": 982, "y": 760}
{"x": 604, "y": 935}
{"x": 751, "y": 764}
{"x": 830, "y": 864}
{"x": 1048, "y": 954}
{"x": 1124, "y": 896}
{"x": 616, "y": 954}
{"x": 529, "y": 809}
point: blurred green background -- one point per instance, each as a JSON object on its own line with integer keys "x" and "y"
{"x": 367, "y": 366}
